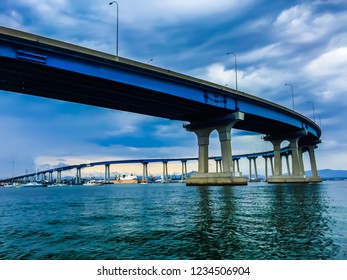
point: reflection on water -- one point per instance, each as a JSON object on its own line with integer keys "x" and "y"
{"x": 172, "y": 221}
{"x": 266, "y": 222}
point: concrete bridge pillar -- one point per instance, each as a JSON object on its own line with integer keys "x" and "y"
{"x": 165, "y": 177}
{"x": 203, "y": 130}
{"x": 297, "y": 175}
{"x": 203, "y": 142}
{"x": 218, "y": 165}
{"x": 296, "y": 158}
{"x": 50, "y": 176}
{"x": 272, "y": 165}
{"x": 277, "y": 171}
{"x": 253, "y": 158}
{"x": 236, "y": 166}
{"x": 287, "y": 161}
{"x": 145, "y": 172}
{"x": 184, "y": 171}
{"x": 301, "y": 161}
{"x": 58, "y": 176}
{"x": 78, "y": 176}
{"x": 313, "y": 161}
{"x": 266, "y": 168}
{"x": 225, "y": 143}
{"x": 107, "y": 177}
{"x": 266, "y": 158}
{"x": 255, "y": 168}
{"x": 314, "y": 177}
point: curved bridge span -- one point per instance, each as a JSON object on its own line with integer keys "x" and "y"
{"x": 42, "y": 174}
{"x": 35, "y": 65}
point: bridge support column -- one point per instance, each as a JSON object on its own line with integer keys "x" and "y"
{"x": 107, "y": 174}
{"x": 266, "y": 158}
{"x": 184, "y": 171}
{"x": 287, "y": 162}
{"x": 301, "y": 161}
{"x": 277, "y": 158}
{"x": 78, "y": 176}
{"x": 256, "y": 169}
{"x": 165, "y": 177}
{"x": 272, "y": 165}
{"x": 58, "y": 176}
{"x": 297, "y": 174}
{"x": 145, "y": 172}
{"x": 314, "y": 178}
{"x": 218, "y": 165}
{"x": 236, "y": 166}
{"x": 266, "y": 168}
{"x": 256, "y": 178}
{"x": 203, "y": 142}
{"x": 50, "y": 176}
{"x": 225, "y": 143}
{"x": 296, "y": 158}
{"x": 203, "y": 130}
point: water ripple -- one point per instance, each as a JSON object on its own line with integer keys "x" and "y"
{"x": 175, "y": 222}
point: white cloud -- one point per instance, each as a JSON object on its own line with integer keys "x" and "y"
{"x": 300, "y": 24}
{"x": 156, "y": 12}
{"x": 217, "y": 73}
{"x": 331, "y": 63}
{"x": 123, "y": 123}
{"x": 262, "y": 54}
{"x": 260, "y": 81}
{"x": 46, "y": 7}
{"x": 328, "y": 73}
{"x": 171, "y": 130}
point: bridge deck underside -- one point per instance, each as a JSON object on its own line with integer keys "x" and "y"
{"x": 41, "y": 80}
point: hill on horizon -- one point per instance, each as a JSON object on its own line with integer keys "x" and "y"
{"x": 329, "y": 173}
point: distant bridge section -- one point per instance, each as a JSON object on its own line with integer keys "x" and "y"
{"x": 58, "y": 170}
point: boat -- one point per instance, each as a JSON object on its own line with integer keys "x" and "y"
{"x": 57, "y": 185}
{"x": 125, "y": 178}
{"x": 11, "y": 185}
{"x": 34, "y": 184}
{"x": 93, "y": 183}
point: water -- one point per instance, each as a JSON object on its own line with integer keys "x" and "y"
{"x": 172, "y": 221}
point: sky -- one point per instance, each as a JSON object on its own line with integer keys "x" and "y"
{"x": 302, "y": 43}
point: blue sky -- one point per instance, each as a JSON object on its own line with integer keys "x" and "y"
{"x": 303, "y": 43}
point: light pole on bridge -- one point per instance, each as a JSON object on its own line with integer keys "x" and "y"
{"x": 314, "y": 118}
{"x": 234, "y": 54}
{"x": 291, "y": 86}
{"x": 117, "y": 23}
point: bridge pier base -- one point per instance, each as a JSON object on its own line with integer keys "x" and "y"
{"x": 226, "y": 176}
{"x": 216, "y": 179}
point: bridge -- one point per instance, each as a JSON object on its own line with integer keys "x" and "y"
{"x": 42, "y": 174}
{"x": 35, "y": 65}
